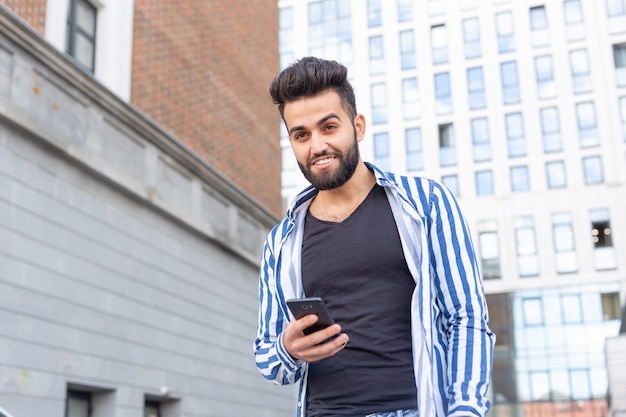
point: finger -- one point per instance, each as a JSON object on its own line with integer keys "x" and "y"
{"x": 304, "y": 322}
{"x": 325, "y": 350}
{"x": 326, "y": 334}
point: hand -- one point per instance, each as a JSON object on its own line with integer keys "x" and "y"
{"x": 309, "y": 348}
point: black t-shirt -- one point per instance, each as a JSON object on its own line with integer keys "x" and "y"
{"x": 357, "y": 266}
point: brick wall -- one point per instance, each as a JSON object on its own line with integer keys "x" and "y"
{"x": 201, "y": 70}
{"x": 32, "y": 12}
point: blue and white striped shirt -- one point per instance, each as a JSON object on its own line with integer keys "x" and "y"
{"x": 452, "y": 342}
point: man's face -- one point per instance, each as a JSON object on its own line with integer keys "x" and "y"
{"x": 324, "y": 139}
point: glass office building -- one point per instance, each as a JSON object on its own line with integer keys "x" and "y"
{"x": 519, "y": 108}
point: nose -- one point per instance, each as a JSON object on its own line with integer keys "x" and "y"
{"x": 318, "y": 144}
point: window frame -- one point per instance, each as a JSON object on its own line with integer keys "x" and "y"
{"x": 75, "y": 30}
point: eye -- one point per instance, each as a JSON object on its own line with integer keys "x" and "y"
{"x": 330, "y": 127}
{"x": 299, "y": 135}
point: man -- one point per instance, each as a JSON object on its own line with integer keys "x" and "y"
{"x": 392, "y": 258}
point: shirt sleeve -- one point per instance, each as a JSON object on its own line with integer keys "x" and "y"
{"x": 460, "y": 298}
{"x": 272, "y": 360}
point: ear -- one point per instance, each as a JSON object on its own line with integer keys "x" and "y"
{"x": 359, "y": 127}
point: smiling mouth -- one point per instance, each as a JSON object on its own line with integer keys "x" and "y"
{"x": 324, "y": 161}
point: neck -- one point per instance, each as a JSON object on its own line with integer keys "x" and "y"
{"x": 338, "y": 203}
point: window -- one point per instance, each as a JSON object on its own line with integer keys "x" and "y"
{"x": 374, "y": 13}
{"x": 285, "y": 36}
{"x": 471, "y": 38}
{"x": 581, "y": 77}
{"x": 581, "y": 389}
{"x": 81, "y": 33}
{"x": 515, "y": 134}
{"x": 414, "y": 155}
{"x": 489, "y": 249}
{"x": 601, "y": 229}
{"x": 476, "y": 88}
{"x": 480, "y": 139}
{"x": 439, "y": 44}
{"x": 571, "y": 308}
{"x": 405, "y": 10}
{"x": 532, "y": 310}
{"x": 617, "y": 16}
{"x": 151, "y": 409}
{"x": 161, "y": 406}
{"x": 574, "y": 28}
{"x": 330, "y": 30}
{"x": 443, "y": 93}
{"x": 592, "y": 167}
{"x": 379, "y": 103}
{"x": 408, "y": 58}
{"x": 78, "y": 404}
{"x": 555, "y": 173}
{"x": 377, "y": 55}
{"x": 501, "y": 323}
{"x": 601, "y": 235}
{"x": 451, "y": 182}
{"x": 504, "y": 29}
{"x": 539, "y": 385}
{"x": 619, "y": 55}
{"x": 410, "y": 99}
{"x": 564, "y": 249}
{"x": 550, "y": 129}
{"x": 87, "y": 401}
{"x": 381, "y": 151}
{"x": 510, "y": 82}
{"x": 610, "y": 306}
{"x": 587, "y": 131}
{"x": 546, "y": 88}
{"x": 615, "y": 8}
{"x": 539, "y": 26}
{"x": 527, "y": 259}
{"x": 519, "y": 178}
{"x": 447, "y": 147}
{"x": 622, "y": 107}
{"x": 484, "y": 182}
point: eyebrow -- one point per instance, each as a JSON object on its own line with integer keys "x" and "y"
{"x": 319, "y": 122}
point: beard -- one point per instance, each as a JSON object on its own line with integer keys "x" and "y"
{"x": 329, "y": 180}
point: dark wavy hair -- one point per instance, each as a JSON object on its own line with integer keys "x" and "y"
{"x": 310, "y": 76}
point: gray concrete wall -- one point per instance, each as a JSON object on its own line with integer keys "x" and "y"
{"x": 126, "y": 263}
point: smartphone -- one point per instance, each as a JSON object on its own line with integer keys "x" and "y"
{"x": 301, "y": 307}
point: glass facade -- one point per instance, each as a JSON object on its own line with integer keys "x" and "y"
{"x": 549, "y": 358}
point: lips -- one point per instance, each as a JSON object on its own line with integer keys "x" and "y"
{"x": 324, "y": 161}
